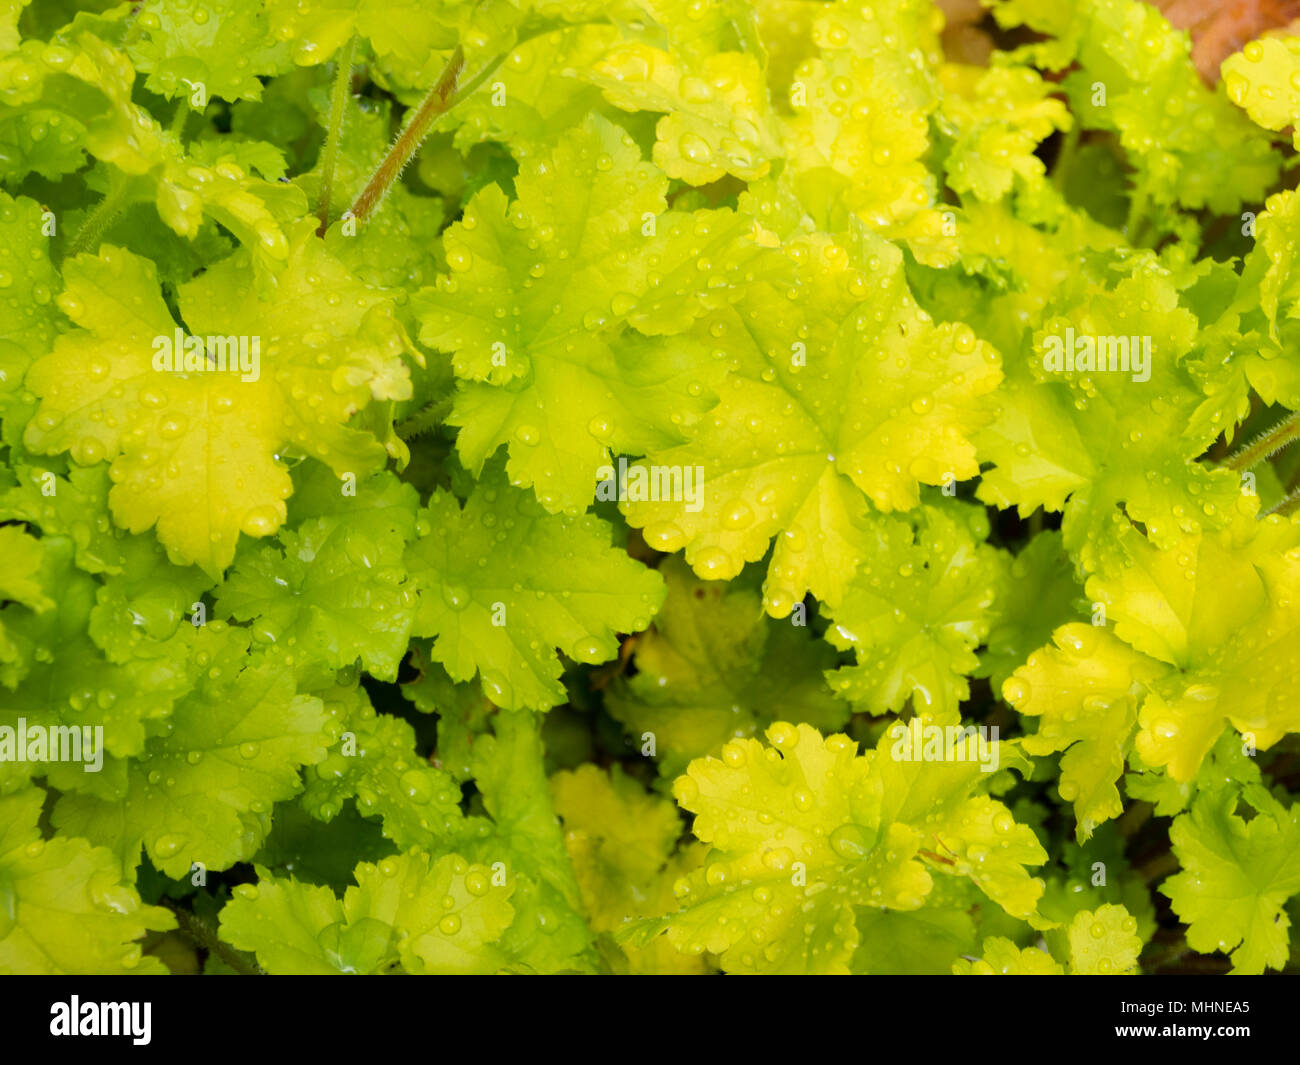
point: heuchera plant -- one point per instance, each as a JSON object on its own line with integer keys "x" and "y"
{"x": 774, "y": 486}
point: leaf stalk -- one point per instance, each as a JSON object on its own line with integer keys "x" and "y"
{"x": 338, "y": 115}
{"x": 97, "y": 222}
{"x": 1266, "y": 444}
{"x": 444, "y": 96}
{"x": 206, "y": 937}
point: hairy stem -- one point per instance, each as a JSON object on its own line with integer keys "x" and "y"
{"x": 441, "y": 98}
{"x": 97, "y": 222}
{"x": 434, "y": 104}
{"x": 425, "y": 419}
{"x": 1266, "y": 444}
{"x": 338, "y": 112}
{"x": 206, "y": 937}
{"x": 1287, "y": 507}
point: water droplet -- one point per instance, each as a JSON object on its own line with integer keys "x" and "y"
{"x": 167, "y": 846}
{"x": 589, "y": 651}
{"x": 737, "y": 515}
{"x": 261, "y": 521}
{"x": 1015, "y": 690}
{"x": 783, "y": 735}
{"x": 417, "y": 786}
{"x": 664, "y": 536}
{"x": 713, "y": 563}
{"x": 695, "y": 148}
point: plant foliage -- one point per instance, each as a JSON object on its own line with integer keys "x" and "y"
{"x": 650, "y": 533}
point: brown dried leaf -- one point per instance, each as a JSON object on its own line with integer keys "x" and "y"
{"x": 1221, "y": 27}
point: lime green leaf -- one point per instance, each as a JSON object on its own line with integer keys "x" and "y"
{"x": 61, "y": 100}
{"x": 1236, "y": 876}
{"x": 411, "y": 894}
{"x": 923, "y": 942}
{"x": 1003, "y": 958}
{"x": 973, "y": 836}
{"x": 29, "y": 322}
{"x": 914, "y": 614}
{"x": 1104, "y": 942}
{"x": 804, "y": 831}
{"x": 336, "y": 586}
{"x": 996, "y": 117}
{"x": 619, "y": 837}
{"x": 576, "y": 270}
{"x": 1232, "y": 759}
{"x": 392, "y": 249}
{"x": 717, "y": 119}
{"x": 536, "y": 95}
{"x": 1189, "y": 144}
{"x": 21, "y": 582}
{"x": 1217, "y": 607}
{"x": 758, "y": 875}
{"x": 1270, "y": 282}
{"x": 225, "y": 48}
{"x": 1085, "y": 688}
{"x": 502, "y": 584}
{"x": 75, "y": 506}
{"x": 621, "y": 841}
{"x": 859, "y": 136}
{"x": 373, "y": 759}
{"x": 194, "y": 453}
{"x": 1090, "y": 876}
{"x": 433, "y": 916}
{"x": 825, "y": 376}
{"x": 316, "y": 33}
{"x": 63, "y": 906}
{"x": 201, "y": 793}
{"x": 73, "y": 96}
{"x": 10, "y": 12}
{"x": 259, "y": 213}
{"x": 462, "y": 711}
{"x": 1262, "y": 77}
{"x": 382, "y": 503}
{"x": 244, "y": 152}
{"x": 406, "y": 32}
{"x": 139, "y": 612}
{"x": 1106, "y": 438}
{"x": 525, "y": 842}
{"x": 64, "y": 674}
{"x": 283, "y": 921}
